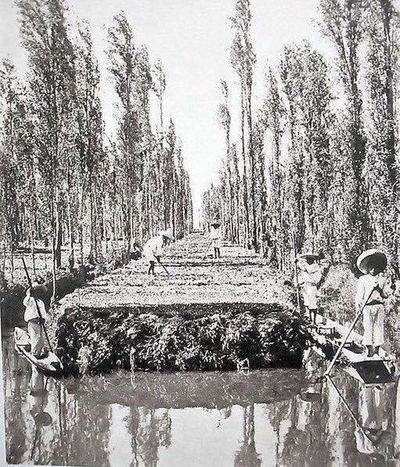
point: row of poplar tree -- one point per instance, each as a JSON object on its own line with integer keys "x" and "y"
{"x": 61, "y": 179}
{"x": 316, "y": 166}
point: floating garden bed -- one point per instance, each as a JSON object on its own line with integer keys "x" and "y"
{"x": 181, "y": 337}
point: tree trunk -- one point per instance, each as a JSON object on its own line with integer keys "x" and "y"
{"x": 245, "y": 193}
{"x": 71, "y": 258}
{"x": 251, "y": 168}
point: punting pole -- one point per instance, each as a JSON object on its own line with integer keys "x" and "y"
{"x": 329, "y": 369}
{"x": 353, "y": 416}
{"x": 296, "y": 273}
{"x": 37, "y": 306}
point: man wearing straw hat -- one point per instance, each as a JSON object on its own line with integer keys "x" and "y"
{"x": 215, "y": 238}
{"x": 372, "y": 289}
{"x": 154, "y": 248}
{"x": 310, "y": 277}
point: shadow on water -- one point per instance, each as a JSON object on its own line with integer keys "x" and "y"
{"x": 272, "y": 417}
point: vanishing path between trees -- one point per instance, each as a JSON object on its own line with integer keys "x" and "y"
{"x": 239, "y": 276}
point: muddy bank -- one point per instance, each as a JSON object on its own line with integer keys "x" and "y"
{"x": 220, "y": 336}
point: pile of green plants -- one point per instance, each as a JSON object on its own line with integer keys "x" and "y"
{"x": 180, "y": 338}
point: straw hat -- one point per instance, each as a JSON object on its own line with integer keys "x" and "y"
{"x": 309, "y": 255}
{"x": 370, "y": 258}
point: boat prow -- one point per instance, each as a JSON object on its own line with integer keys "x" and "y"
{"x": 380, "y": 369}
{"x": 51, "y": 364}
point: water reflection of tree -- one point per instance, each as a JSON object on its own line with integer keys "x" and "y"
{"x": 247, "y": 454}
{"x": 15, "y": 426}
{"x": 81, "y": 425}
{"x": 149, "y": 429}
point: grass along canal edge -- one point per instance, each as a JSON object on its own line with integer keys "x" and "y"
{"x": 182, "y": 337}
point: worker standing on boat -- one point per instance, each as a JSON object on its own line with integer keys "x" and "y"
{"x": 154, "y": 248}
{"x": 372, "y": 286}
{"x": 215, "y": 238}
{"x": 35, "y": 316}
{"x": 309, "y": 278}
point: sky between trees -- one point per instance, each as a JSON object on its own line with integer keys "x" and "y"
{"x": 192, "y": 38}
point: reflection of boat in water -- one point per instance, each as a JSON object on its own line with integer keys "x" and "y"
{"x": 374, "y": 433}
{"x": 50, "y": 365}
{"x": 326, "y": 340}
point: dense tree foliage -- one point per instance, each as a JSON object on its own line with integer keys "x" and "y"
{"x": 61, "y": 182}
{"x": 319, "y": 166}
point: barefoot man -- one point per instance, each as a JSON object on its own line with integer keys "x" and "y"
{"x": 309, "y": 279}
{"x": 373, "y": 285}
{"x": 215, "y": 238}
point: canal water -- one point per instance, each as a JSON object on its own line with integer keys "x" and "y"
{"x": 272, "y": 418}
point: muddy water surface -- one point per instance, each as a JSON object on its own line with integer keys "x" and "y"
{"x": 270, "y": 418}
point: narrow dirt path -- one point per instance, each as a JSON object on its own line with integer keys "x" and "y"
{"x": 239, "y": 276}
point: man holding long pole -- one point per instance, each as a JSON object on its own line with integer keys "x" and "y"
{"x": 371, "y": 292}
{"x": 35, "y": 316}
{"x": 374, "y": 286}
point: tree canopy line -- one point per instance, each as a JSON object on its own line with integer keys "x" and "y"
{"x": 62, "y": 180}
{"x": 315, "y": 166}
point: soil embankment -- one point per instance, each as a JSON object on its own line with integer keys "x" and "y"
{"x": 205, "y": 314}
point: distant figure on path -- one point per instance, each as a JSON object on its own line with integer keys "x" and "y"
{"x": 215, "y": 238}
{"x": 154, "y": 248}
{"x": 309, "y": 278}
{"x": 373, "y": 285}
{"x": 33, "y": 300}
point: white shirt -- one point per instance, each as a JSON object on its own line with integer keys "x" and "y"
{"x": 154, "y": 247}
{"x": 310, "y": 273}
{"x": 366, "y": 284}
{"x": 31, "y": 311}
{"x": 215, "y": 233}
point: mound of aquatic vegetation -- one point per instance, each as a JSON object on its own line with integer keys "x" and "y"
{"x": 180, "y": 337}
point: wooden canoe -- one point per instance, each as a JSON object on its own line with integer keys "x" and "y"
{"x": 327, "y": 339}
{"x": 49, "y": 365}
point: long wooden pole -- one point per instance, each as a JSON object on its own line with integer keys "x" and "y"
{"x": 329, "y": 369}
{"x": 208, "y": 246}
{"x": 296, "y": 273}
{"x": 37, "y": 305}
{"x": 353, "y": 416}
{"x": 161, "y": 264}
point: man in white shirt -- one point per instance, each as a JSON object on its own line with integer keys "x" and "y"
{"x": 310, "y": 277}
{"x": 35, "y": 316}
{"x": 215, "y": 238}
{"x": 372, "y": 286}
{"x": 154, "y": 248}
